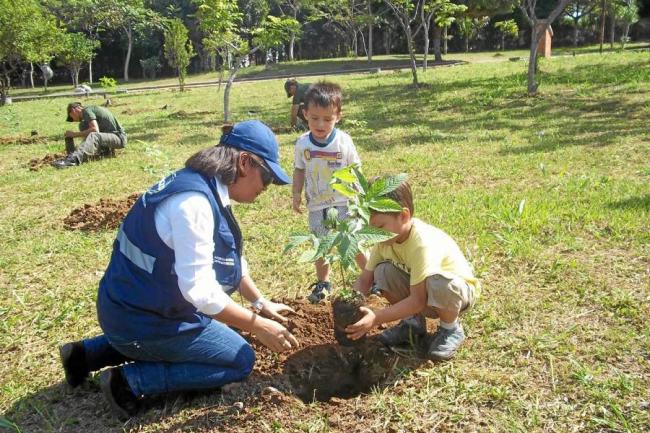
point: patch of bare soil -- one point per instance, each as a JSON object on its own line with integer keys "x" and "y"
{"x": 107, "y": 214}
{"x": 38, "y": 163}
{"x": 277, "y": 393}
{"x": 22, "y": 139}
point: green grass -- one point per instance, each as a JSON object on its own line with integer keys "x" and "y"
{"x": 548, "y": 196}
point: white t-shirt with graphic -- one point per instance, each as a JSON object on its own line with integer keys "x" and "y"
{"x": 320, "y": 160}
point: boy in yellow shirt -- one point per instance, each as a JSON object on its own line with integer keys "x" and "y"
{"x": 422, "y": 273}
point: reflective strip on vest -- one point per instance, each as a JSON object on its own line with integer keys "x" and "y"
{"x": 134, "y": 254}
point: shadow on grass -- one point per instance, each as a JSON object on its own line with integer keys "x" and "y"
{"x": 632, "y": 203}
{"x": 502, "y": 106}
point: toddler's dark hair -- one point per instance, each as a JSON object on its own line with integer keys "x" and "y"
{"x": 324, "y": 94}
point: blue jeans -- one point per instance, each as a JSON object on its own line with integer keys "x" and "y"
{"x": 202, "y": 359}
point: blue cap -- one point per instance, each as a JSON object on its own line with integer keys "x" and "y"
{"x": 255, "y": 137}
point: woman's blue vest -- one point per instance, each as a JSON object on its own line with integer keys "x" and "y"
{"x": 139, "y": 297}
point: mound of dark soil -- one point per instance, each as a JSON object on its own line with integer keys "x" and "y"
{"x": 38, "y": 163}
{"x": 20, "y": 139}
{"x": 105, "y": 215}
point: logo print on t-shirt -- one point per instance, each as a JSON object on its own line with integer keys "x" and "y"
{"x": 329, "y": 156}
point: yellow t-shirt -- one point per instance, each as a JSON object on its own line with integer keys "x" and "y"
{"x": 427, "y": 251}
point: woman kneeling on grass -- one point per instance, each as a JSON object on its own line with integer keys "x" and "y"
{"x": 163, "y": 303}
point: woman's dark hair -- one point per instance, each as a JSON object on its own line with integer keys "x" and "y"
{"x": 218, "y": 161}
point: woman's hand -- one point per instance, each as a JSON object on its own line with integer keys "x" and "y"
{"x": 273, "y": 335}
{"x": 275, "y": 311}
{"x": 359, "y": 329}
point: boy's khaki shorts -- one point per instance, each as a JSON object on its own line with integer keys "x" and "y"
{"x": 442, "y": 292}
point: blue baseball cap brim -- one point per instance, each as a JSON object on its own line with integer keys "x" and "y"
{"x": 279, "y": 175}
{"x": 255, "y": 137}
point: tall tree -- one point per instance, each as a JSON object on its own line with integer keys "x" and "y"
{"x": 23, "y": 24}
{"x": 221, "y": 21}
{"x": 80, "y": 16}
{"x": 178, "y": 48}
{"x": 629, "y": 15}
{"x": 131, "y": 16}
{"x": 407, "y": 13}
{"x": 576, "y": 12}
{"x": 293, "y": 9}
{"x": 538, "y": 27}
{"x": 469, "y": 28}
{"x": 76, "y": 50}
{"x": 506, "y": 28}
{"x": 440, "y": 13}
{"x": 42, "y": 42}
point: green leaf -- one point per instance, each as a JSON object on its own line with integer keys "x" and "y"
{"x": 361, "y": 179}
{"x": 348, "y": 249}
{"x": 308, "y": 256}
{"x": 344, "y": 190}
{"x": 386, "y": 185}
{"x": 371, "y": 235}
{"x": 296, "y": 239}
{"x": 326, "y": 244}
{"x": 384, "y": 205}
{"x": 345, "y": 175}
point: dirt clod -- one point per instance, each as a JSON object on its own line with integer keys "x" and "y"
{"x": 107, "y": 214}
{"x": 38, "y": 163}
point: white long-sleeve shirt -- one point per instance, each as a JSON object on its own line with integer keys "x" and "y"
{"x": 185, "y": 224}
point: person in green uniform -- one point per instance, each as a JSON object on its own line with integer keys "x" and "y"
{"x": 100, "y": 130}
{"x": 297, "y": 91}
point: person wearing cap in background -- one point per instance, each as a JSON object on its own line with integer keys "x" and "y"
{"x": 297, "y": 91}
{"x": 164, "y": 301}
{"x": 100, "y": 130}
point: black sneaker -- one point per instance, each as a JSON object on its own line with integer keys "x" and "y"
{"x": 409, "y": 330}
{"x": 124, "y": 404}
{"x": 320, "y": 291}
{"x": 68, "y": 161}
{"x": 73, "y": 359}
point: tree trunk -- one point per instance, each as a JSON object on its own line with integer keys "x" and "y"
{"x": 612, "y": 29}
{"x": 444, "y": 41}
{"x": 575, "y": 34}
{"x": 626, "y": 35}
{"x": 409, "y": 41}
{"x": 292, "y": 42}
{"x": 425, "y": 60}
{"x": 90, "y": 71}
{"x": 467, "y": 44}
{"x": 602, "y": 25}
{"x": 370, "y": 26}
{"x": 532, "y": 60}
{"x": 31, "y": 74}
{"x": 129, "y": 36}
{"x": 503, "y": 41}
{"x": 437, "y": 32}
{"x": 74, "y": 73}
{"x": 226, "y": 93}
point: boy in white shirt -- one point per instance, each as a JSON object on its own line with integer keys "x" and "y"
{"x": 320, "y": 152}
